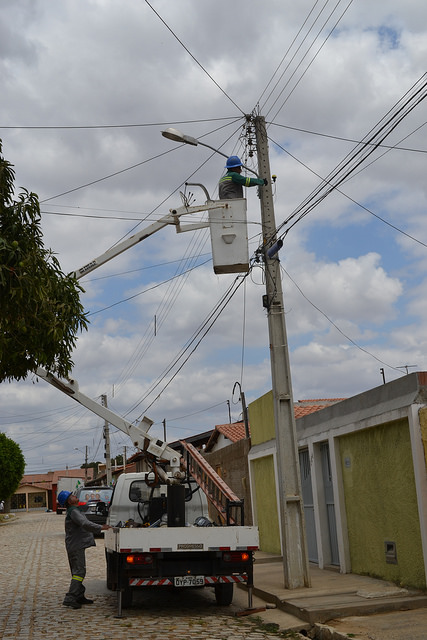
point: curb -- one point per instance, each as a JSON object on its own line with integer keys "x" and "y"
{"x": 323, "y": 632}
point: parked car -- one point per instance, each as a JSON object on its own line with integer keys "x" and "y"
{"x": 94, "y": 502}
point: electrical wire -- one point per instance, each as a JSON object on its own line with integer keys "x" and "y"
{"x": 411, "y": 99}
{"x": 170, "y": 297}
{"x": 195, "y": 413}
{"x": 194, "y": 58}
{"x": 394, "y": 147}
{"x": 110, "y": 175}
{"x": 284, "y": 58}
{"x": 140, "y": 293}
{"x": 335, "y": 325}
{"x": 298, "y": 65}
{"x": 195, "y": 340}
{"x": 311, "y": 61}
{"x": 151, "y": 266}
{"x": 115, "y": 126}
{"x": 359, "y": 204}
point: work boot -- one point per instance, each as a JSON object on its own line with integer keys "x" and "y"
{"x": 73, "y": 604}
{"x": 84, "y": 600}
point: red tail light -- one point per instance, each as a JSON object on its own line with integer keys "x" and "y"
{"x": 139, "y": 558}
{"x": 236, "y": 556}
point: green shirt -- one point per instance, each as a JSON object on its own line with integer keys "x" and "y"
{"x": 231, "y": 185}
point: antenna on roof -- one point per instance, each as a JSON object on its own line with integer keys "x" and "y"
{"x": 407, "y": 367}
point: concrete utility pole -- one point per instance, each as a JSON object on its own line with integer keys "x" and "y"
{"x": 107, "y": 445}
{"x": 292, "y": 524}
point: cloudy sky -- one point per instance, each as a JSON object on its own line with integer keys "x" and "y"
{"x": 87, "y": 87}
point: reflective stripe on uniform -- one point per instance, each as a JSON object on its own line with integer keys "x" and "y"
{"x": 78, "y": 578}
{"x": 248, "y": 182}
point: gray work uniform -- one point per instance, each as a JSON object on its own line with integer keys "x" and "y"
{"x": 78, "y": 537}
{"x": 231, "y": 185}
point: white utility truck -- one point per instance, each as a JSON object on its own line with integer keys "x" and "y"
{"x": 161, "y": 535}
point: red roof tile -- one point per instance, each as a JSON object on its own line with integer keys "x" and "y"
{"x": 234, "y": 431}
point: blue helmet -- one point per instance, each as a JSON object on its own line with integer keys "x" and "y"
{"x": 63, "y": 497}
{"x": 232, "y": 162}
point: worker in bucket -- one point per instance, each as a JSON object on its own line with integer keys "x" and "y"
{"x": 78, "y": 537}
{"x": 231, "y": 185}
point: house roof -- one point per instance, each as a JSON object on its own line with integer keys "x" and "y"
{"x": 232, "y": 431}
{"x": 52, "y": 477}
{"x": 43, "y": 487}
{"x": 236, "y": 430}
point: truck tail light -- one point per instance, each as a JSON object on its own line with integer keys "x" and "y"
{"x": 139, "y": 558}
{"x": 236, "y": 556}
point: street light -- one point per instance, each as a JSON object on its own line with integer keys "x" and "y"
{"x": 178, "y": 136}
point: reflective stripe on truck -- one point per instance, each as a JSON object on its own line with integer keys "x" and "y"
{"x": 167, "y": 582}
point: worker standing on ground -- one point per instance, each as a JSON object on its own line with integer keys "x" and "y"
{"x": 78, "y": 537}
{"x": 231, "y": 185}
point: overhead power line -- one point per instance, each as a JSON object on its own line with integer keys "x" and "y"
{"x": 353, "y": 160}
{"x": 312, "y": 59}
{"x": 359, "y": 204}
{"x": 115, "y": 126}
{"x": 194, "y": 58}
{"x": 110, "y": 175}
{"x": 140, "y": 293}
{"x": 396, "y": 147}
{"x": 335, "y": 325}
{"x": 284, "y": 58}
{"x": 185, "y": 353}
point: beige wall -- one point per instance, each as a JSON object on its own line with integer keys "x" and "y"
{"x": 231, "y": 463}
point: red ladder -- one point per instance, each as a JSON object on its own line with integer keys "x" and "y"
{"x": 217, "y": 491}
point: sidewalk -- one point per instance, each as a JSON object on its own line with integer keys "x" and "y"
{"x": 332, "y": 595}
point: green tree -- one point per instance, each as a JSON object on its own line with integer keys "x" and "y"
{"x": 12, "y": 464}
{"x": 40, "y": 311}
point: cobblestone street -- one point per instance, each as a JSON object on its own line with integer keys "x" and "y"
{"x": 34, "y": 577}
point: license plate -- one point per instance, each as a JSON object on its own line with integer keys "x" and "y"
{"x": 189, "y": 581}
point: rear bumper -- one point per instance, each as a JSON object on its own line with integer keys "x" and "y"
{"x": 209, "y": 581}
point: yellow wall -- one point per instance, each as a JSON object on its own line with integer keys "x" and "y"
{"x": 261, "y": 419}
{"x": 266, "y": 504}
{"x": 381, "y": 503}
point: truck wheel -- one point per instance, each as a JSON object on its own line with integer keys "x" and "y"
{"x": 224, "y": 594}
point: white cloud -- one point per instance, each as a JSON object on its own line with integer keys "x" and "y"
{"x": 78, "y": 63}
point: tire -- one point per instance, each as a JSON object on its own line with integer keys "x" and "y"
{"x": 224, "y": 594}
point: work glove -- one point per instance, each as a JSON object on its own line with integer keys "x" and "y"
{"x": 265, "y": 182}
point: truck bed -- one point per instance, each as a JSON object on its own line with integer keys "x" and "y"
{"x": 165, "y": 539}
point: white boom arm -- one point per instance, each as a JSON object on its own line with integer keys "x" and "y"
{"x": 138, "y": 433}
{"x": 172, "y": 218}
